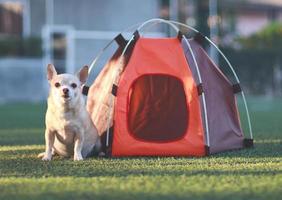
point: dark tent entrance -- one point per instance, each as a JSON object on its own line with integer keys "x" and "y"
{"x": 165, "y": 97}
{"x": 156, "y": 104}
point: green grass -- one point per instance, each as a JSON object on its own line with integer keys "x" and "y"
{"x": 246, "y": 174}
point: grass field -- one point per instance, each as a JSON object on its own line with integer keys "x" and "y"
{"x": 251, "y": 174}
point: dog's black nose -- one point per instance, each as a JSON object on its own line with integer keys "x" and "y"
{"x": 65, "y": 90}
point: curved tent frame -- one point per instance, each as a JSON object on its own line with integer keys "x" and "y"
{"x": 172, "y": 24}
{"x": 231, "y": 68}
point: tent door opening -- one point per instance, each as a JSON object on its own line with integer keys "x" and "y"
{"x": 157, "y": 109}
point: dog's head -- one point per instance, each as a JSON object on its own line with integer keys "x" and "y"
{"x": 66, "y": 88}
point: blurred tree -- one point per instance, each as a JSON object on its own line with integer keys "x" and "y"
{"x": 270, "y": 37}
{"x": 202, "y": 16}
{"x": 11, "y": 46}
{"x": 270, "y": 40}
{"x": 258, "y": 61}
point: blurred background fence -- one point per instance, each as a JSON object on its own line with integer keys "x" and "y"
{"x": 70, "y": 33}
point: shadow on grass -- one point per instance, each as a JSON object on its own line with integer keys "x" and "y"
{"x": 260, "y": 150}
{"x": 110, "y": 193}
{"x": 67, "y": 169}
{"x": 23, "y": 163}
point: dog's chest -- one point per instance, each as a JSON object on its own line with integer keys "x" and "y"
{"x": 67, "y": 131}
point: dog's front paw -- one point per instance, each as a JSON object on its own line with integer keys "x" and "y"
{"x": 41, "y": 155}
{"x": 77, "y": 157}
{"x": 46, "y": 158}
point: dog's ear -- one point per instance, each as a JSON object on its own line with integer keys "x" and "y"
{"x": 51, "y": 72}
{"x": 83, "y": 74}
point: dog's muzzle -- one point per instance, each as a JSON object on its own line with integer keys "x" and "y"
{"x": 66, "y": 93}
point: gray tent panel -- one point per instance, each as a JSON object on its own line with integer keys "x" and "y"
{"x": 223, "y": 117}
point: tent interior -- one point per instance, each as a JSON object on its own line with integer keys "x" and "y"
{"x": 157, "y": 108}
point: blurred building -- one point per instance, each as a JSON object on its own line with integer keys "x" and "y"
{"x": 70, "y": 33}
{"x": 234, "y": 18}
{"x": 244, "y": 18}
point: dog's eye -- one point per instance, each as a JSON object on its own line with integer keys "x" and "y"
{"x": 57, "y": 85}
{"x": 73, "y": 85}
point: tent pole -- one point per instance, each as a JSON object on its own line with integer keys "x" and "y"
{"x": 248, "y": 115}
{"x": 92, "y": 65}
{"x": 111, "y": 100}
{"x": 99, "y": 55}
{"x": 202, "y": 95}
{"x": 238, "y": 81}
{"x": 159, "y": 21}
{"x": 184, "y": 25}
{"x": 139, "y": 25}
{"x": 145, "y": 30}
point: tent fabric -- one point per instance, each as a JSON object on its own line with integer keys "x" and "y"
{"x": 163, "y": 57}
{"x": 98, "y": 101}
{"x": 157, "y": 109}
{"x": 223, "y": 117}
{"x": 99, "y": 94}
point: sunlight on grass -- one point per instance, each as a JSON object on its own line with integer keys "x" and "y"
{"x": 21, "y": 147}
{"x": 254, "y": 173}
